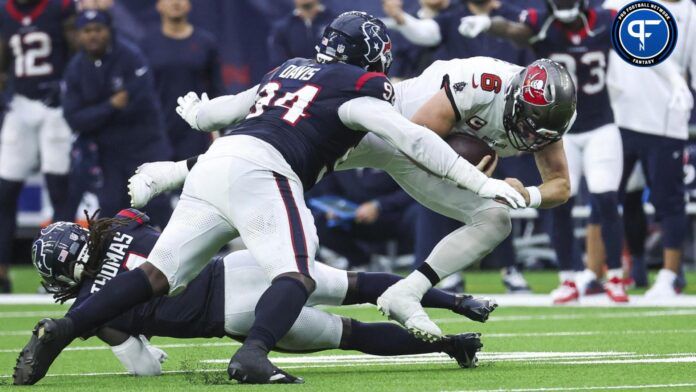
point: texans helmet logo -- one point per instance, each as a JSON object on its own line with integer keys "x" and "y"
{"x": 534, "y": 88}
{"x": 39, "y": 258}
{"x": 376, "y": 43}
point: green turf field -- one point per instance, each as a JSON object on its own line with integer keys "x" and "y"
{"x": 526, "y": 349}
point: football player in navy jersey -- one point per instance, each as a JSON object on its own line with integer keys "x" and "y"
{"x": 308, "y": 114}
{"x": 34, "y": 45}
{"x": 578, "y": 36}
{"x": 75, "y": 262}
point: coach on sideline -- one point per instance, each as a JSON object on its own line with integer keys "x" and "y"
{"x": 110, "y": 96}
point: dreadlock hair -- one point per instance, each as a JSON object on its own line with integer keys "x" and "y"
{"x": 101, "y": 232}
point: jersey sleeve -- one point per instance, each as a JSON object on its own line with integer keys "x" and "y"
{"x": 376, "y": 85}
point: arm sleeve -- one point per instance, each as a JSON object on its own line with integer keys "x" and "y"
{"x": 226, "y": 110}
{"x": 136, "y": 358}
{"x": 420, "y": 144}
{"x": 423, "y": 32}
{"x": 531, "y": 18}
{"x": 81, "y": 117}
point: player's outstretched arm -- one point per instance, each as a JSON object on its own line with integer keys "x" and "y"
{"x": 210, "y": 115}
{"x": 422, "y": 32}
{"x": 472, "y": 26}
{"x": 424, "y": 147}
{"x": 154, "y": 178}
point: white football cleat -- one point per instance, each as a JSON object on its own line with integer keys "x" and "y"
{"x": 565, "y": 293}
{"x": 402, "y": 305}
{"x": 664, "y": 286}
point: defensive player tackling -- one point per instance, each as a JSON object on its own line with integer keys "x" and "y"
{"x": 512, "y": 108}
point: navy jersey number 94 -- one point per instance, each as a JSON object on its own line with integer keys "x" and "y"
{"x": 296, "y": 111}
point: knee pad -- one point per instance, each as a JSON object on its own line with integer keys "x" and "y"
{"x": 496, "y": 220}
{"x": 604, "y": 206}
{"x": 308, "y": 282}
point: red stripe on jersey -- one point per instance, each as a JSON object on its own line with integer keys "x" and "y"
{"x": 366, "y": 77}
{"x": 65, "y": 4}
{"x": 532, "y": 17}
{"x": 591, "y": 22}
{"x": 131, "y": 215}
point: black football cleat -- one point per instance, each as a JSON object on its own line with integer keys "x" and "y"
{"x": 477, "y": 309}
{"x": 250, "y": 365}
{"x": 464, "y": 348}
{"x": 48, "y": 339}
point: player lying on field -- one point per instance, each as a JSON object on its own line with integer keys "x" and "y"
{"x": 74, "y": 262}
{"x": 509, "y": 107}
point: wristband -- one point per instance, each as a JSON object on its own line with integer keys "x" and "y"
{"x": 534, "y": 196}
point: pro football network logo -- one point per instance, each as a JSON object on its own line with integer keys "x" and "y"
{"x": 644, "y": 33}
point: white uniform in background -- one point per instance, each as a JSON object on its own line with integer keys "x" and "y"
{"x": 656, "y": 100}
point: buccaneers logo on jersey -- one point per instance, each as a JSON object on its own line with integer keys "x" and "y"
{"x": 535, "y": 89}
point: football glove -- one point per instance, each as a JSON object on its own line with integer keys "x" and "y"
{"x": 154, "y": 178}
{"x": 188, "y": 108}
{"x": 502, "y": 192}
{"x": 472, "y": 26}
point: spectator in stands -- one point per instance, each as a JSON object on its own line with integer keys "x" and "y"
{"x": 385, "y": 212}
{"x": 298, "y": 33}
{"x": 652, "y": 106}
{"x": 442, "y": 31}
{"x": 183, "y": 58}
{"x": 110, "y": 96}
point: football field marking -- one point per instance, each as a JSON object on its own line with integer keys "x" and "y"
{"x": 592, "y": 388}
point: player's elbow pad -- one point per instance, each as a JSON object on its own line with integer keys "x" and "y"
{"x": 136, "y": 358}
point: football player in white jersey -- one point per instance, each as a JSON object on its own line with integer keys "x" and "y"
{"x": 652, "y": 107}
{"x": 512, "y": 108}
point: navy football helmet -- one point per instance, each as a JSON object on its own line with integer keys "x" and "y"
{"x": 59, "y": 254}
{"x": 356, "y": 38}
{"x": 540, "y": 105}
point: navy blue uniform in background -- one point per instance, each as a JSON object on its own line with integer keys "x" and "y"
{"x": 293, "y": 37}
{"x": 395, "y": 220}
{"x": 454, "y": 45}
{"x": 197, "y": 312}
{"x": 585, "y": 57}
{"x": 36, "y": 31}
{"x": 313, "y": 138}
{"x": 126, "y": 137}
{"x": 180, "y": 66}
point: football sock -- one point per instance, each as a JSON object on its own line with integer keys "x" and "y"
{"x": 121, "y": 294}
{"x": 387, "y": 339}
{"x": 276, "y": 311}
{"x": 9, "y": 195}
{"x": 635, "y": 223}
{"x": 59, "y": 193}
{"x": 370, "y": 285}
{"x": 606, "y": 205}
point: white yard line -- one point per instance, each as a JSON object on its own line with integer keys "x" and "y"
{"x": 163, "y": 346}
{"x": 591, "y": 388}
{"x": 581, "y": 316}
{"x": 32, "y": 314}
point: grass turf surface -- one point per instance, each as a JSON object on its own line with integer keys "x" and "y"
{"x": 524, "y": 348}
